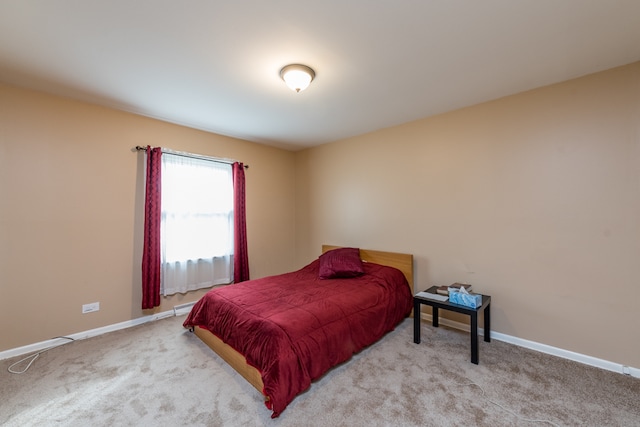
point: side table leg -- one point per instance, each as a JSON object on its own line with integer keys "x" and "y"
{"x": 434, "y": 316}
{"x": 416, "y": 322}
{"x": 487, "y": 323}
{"x": 474, "y": 338}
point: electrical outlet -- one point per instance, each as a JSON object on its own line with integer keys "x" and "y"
{"x": 89, "y": 308}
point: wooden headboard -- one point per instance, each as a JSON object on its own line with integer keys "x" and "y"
{"x": 403, "y": 262}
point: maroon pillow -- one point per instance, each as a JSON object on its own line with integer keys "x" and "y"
{"x": 340, "y": 263}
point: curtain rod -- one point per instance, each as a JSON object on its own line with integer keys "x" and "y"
{"x": 193, "y": 156}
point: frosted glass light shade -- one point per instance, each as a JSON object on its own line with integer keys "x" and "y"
{"x": 297, "y": 77}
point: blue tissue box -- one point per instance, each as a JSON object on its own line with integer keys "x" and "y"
{"x": 468, "y": 300}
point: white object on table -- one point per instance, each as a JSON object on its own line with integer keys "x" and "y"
{"x": 429, "y": 295}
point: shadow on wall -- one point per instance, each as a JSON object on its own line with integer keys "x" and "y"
{"x": 138, "y": 234}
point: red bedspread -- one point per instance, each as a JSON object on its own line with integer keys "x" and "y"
{"x": 294, "y": 327}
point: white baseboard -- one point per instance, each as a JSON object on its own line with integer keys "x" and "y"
{"x": 32, "y": 348}
{"x": 543, "y": 348}
{"x": 183, "y": 309}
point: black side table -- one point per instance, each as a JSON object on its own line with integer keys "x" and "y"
{"x": 446, "y": 305}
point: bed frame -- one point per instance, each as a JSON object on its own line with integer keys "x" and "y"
{"x": 403, "y": 262}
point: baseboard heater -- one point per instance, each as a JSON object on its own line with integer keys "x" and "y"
{"x": 181, "y": 309}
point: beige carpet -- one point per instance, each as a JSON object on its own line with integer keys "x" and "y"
{"x": 158, "y": 374}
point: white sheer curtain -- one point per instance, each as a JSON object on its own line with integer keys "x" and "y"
{"x": 197, "y": 223}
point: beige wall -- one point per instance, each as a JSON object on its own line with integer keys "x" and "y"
{"x": 533, "y": 199}
{"x": 71, "y": 211}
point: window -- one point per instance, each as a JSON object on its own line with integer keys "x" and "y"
{"x": 197, "y": 223}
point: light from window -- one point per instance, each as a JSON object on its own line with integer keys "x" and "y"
{"x": 197, "y": 209}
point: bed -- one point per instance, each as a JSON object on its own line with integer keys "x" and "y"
{"x": 282, "y": 332}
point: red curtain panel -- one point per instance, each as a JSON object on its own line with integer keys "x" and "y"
{"x": 241, "y": 254}
{"x": 152, "y": 218}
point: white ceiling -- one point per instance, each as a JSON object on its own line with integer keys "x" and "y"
{"x": 214, "y": 65}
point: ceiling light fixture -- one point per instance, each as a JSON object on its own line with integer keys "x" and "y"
{"x": 297, "y": 76}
